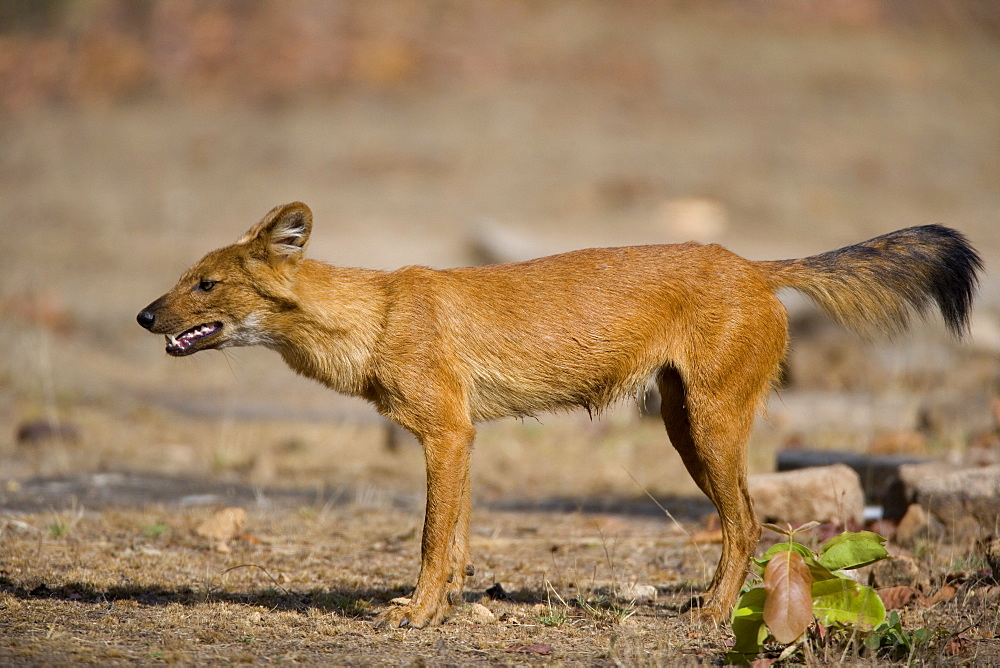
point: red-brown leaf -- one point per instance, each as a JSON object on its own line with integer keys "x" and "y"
{"x": 896, "y": 598}
{"x": 788, "y": 606}
{"x": 538, "y": 648}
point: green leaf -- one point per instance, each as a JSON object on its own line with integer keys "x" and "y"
{"x": 843, "y": 601}
{"x": 777, "y": 548}
{"x": 852, "y": 550}
{"x": 750, "y": 605}
{"x": 818, "y": 571}
{"x": 852, "y": 535}
{"x": 750, "y": 635}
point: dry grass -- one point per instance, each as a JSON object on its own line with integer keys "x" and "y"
{"x": 303, "y": 585}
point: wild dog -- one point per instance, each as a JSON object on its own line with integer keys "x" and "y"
{"x": 440, "y": 350}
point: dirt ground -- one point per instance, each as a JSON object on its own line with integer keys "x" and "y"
{"x": 778, "y": 132}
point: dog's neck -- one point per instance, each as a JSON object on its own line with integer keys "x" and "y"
{"x": 331, "y": 333}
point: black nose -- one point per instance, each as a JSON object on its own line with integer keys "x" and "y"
{"x": 146, "y": 319}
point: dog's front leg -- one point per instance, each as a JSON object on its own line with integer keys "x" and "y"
{"x": 444, "y": 548}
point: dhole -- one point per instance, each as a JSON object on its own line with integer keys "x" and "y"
{"x": 438, "y": 351}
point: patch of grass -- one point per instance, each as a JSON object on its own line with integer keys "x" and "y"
{"x": 604, "y": 609}
{"x": 155, "y": 530}
{"x": 969, "y": 562}
{"x": 60, "y": 526}
{"x": 57, "y": 529}
{"x": 553, "y": 617}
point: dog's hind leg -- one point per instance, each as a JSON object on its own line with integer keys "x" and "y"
{"x": 461, "y": 555}
{"x": 710, "y": 434}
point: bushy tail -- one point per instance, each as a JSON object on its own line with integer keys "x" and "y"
{"x": 877, "y": 285}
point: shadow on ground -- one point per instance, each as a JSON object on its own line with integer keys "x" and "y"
{"x": 136, "y": 490}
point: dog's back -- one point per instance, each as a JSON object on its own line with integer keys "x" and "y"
{"x": 583, "y": 328}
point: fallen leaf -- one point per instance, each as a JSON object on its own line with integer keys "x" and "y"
{"x": 538, "y": 648}
{"x": 896, "y": 598}
{"x": 956, "y": 645}
{"x": 945, "y": 593}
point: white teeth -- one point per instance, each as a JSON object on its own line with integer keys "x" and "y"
{"x": 183, "y": 341}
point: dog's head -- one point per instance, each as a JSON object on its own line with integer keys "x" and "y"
{"x": 227, "y": 298}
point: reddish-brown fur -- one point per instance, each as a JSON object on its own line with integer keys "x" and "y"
{"x": 438, "y": 351}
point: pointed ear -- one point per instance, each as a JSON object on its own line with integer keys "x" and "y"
{"x": 282, "y": 234}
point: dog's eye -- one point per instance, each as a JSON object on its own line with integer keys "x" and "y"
{"x": 205, "y": 286}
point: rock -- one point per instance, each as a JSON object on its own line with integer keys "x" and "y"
{"x": 900, "y": 571}
{"x": 917, "y": 524}
{"x": 223, "y": 526}
{"x": 824, "y": 494}
{"x": 880, "y": 475}
{"x": 638, "y": 593}
{"x": 482, "y": 614}
{"x": 964, "y": 500}
{"x": 909, "y": 476}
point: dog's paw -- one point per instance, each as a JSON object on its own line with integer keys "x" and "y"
{"x": 405, "y": 614}
{"x": 704, "y": 611}
{"x": 711, "y": 616}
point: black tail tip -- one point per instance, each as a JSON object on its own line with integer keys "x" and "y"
{"x": 956, "y": 284}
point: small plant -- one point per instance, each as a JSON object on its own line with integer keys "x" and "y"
{"x": 892, "y": 642}
{"x": 58, "y": 528}
{"x": 605, "y": 609}
{"x": 798, "y": 588}
{"x": 155, "y": 530}
{"x": 553, "y": 617}
{"x": 61, "y": 526}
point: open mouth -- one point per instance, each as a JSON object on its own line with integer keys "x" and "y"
{"x": 182, "y": 343}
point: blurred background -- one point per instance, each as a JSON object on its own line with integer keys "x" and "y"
{"x": 137, "y": 135}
